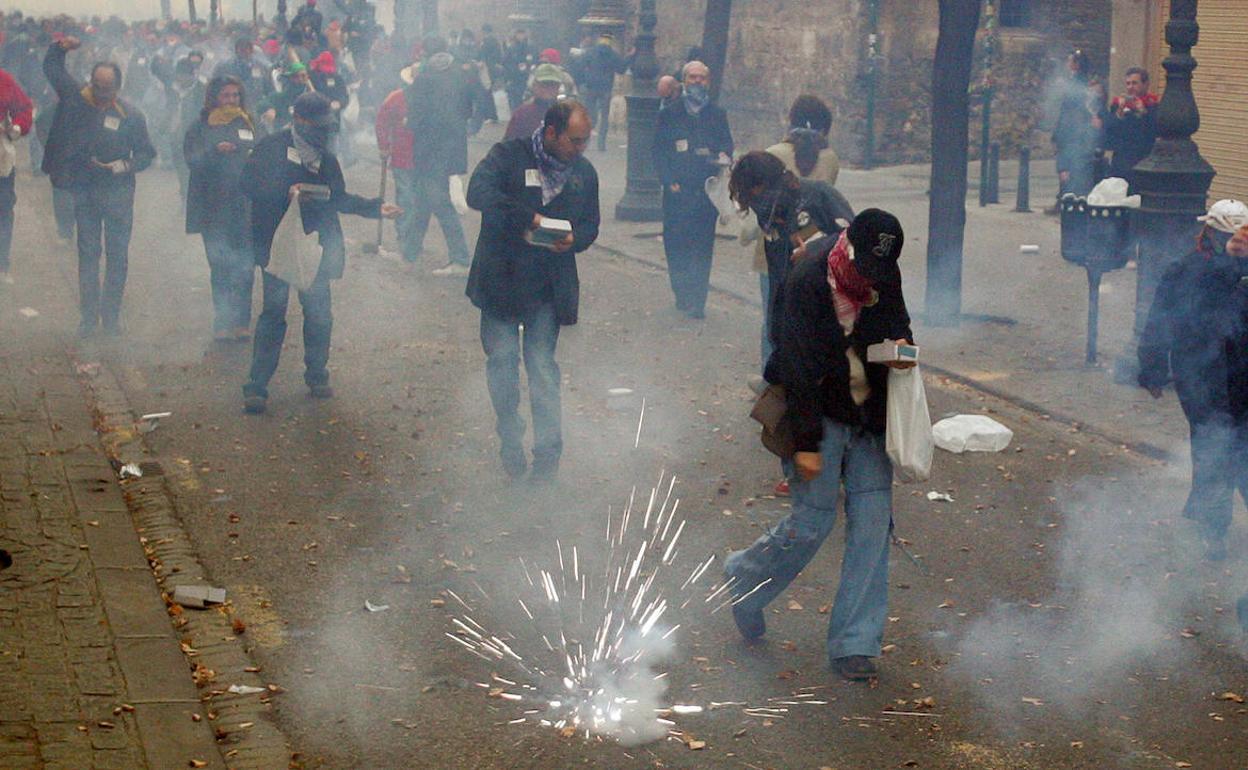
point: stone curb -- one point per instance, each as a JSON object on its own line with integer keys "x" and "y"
{"x": 246, "y": 733}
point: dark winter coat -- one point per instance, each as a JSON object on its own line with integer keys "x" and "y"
{"x": 80, "y": 132}
{"x": 438, "y": 107}
{"x": 686, "y": 146}
{"x": 1198, "y": 329}
{"x": 251, "y": 73}
{"x": 810, "y": 359}
{"x": 819, "y": 208}
{"x": 510, "y": 276}
{"x": 598, "y": 67}
{"x": 266, "y": 180}
{"x": 214, "y": 200}
{"x": 1130, "y": 138}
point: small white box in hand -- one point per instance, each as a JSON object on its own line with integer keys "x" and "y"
{"x": 549, "y": 232}
{"x": 891, "y": 350}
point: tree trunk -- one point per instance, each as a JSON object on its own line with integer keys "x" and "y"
{"x": 429, "y": 21}
{"x": 715, "y": 40}
{"x": 214, "y": 12}
{"x": 166, "y": 9}
{"x": 190, "y": 9}
{"x": 951, "y": 80}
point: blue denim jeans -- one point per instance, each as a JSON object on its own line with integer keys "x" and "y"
{"x": 233, "y": 274}
{"x": 502, "y": 341}
{"x": 1219, "y": 448}
{"x": 855, "y": 459}
{"x": 104, "y": 216}
{"x": 318, "y": 326}
{"x": 422, "y": 196}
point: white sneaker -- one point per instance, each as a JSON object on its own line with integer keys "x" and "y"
{"x": 453, "y": 270}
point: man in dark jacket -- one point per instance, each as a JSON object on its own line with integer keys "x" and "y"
{"x": 438, "y": 107}
{"x": 516, "y": 282}
{"x": 836, "y": 305}
{"x": 95, "y": 147}
{"x": 518, "y": 58}
{"x": 251, "y": 73}
{"x": 1197, "y": 330}
{"x": 272, "y": 178}
{"x": 1131, "y": 125}
{"x": 691, "y": 144}
{"x": 598, "y": 68}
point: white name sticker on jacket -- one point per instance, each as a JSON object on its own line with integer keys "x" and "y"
{"x": 112, "y": 122}
{"x": 682, "y": 145}
{"x": 292, "y": 155}
{"x": 532, "y": 178}
{"x": 245, "y": 134}
{"x": 331, "y": 82}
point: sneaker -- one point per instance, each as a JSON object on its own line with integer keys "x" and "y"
{"x": 1241, "y": 609}
{"x": 1215, "y": 548}
{"x": 750, "y": 623}
{"x": 782, "y": 489}
{"x": 241, "y": 334}
{"x": 757, "y": 384}
{"x": 452, "y": 270}
{"x": 255, "y": 404}
{"x": 320, "y": 391}
{"x": 222, "y": 335}
{"x": 85, "y": 330}
{"x": 855, "y": 668}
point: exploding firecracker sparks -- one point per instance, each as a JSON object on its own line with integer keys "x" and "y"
{"x": 603, "y": 641}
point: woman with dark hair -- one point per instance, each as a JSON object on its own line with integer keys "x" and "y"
{"x": 806, "y": 154}
{"x": 1076, "y": 127}
{"x": 216, "y": 146}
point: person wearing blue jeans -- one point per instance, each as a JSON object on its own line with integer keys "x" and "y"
{"x": 843, "y": 296}
{"x": 852, "y": 458}
{"x": 318, "y": 325}
{"x": 422, "y": 196}
{"x": 534, "y": 335}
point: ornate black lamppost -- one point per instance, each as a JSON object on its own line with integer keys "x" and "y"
{"x": 1173, "y": 181}
{"x": 605, "y": 16}
{"x": 533, "y": 16}
{"x": 642, "y": 201}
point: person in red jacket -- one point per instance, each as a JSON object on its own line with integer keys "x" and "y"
{"x": 395, "y": 142}
{"x": 16, "y": 118}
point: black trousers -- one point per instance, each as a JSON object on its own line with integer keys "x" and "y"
{"x": 8, "y": 199}
{"x": 689, "y": 243}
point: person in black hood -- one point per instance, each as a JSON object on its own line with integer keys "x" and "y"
{"x": 836, "y": 303}
{"x": 1197, "y": 331}
{"x": 216, "y": 147}
{"x": 273, "y": 177}
{"x": 96, "y": 145}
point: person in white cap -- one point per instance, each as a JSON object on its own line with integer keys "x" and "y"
{"x": 1197, "y": 332}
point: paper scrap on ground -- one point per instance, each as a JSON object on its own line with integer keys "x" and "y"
{"x": 939, "y": 497}
{"x": 375, "y": 607}
{"x": 244, "y": 689}
{"x": 131, "y": 471}
{"x": 29, "y": 312}
{"x": 971, "y": 433}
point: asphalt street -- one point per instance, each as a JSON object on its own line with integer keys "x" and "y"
{"x": 1058, "y": 615}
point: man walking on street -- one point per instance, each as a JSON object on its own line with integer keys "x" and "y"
{"x": 439, "y": 105}
{"x": 16, "y": 118}
{"x": 598, "y": 68}
{"x": 518, "y": 283}
{"x": 251, "y": 73}
{"x": 1197, "y": 331}
{"x": 95, "y": 147}
{"x": 273, "y": 177}
{"x": 528, "y": 117}
{"x": 691, "y": 143}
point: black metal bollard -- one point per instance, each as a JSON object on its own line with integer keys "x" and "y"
{"x": 994, "y": 173}
{"x": 1022, "y": 202}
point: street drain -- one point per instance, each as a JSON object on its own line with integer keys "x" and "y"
{"x": 6, "y": 559}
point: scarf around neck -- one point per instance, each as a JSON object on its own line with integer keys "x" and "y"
{"x": 224, "y": 116}
{"x": 850, "y": 291}
{"x": 309, "y": 156}
{"x": 89, "y": 97}
{"x": 554, "y": 172}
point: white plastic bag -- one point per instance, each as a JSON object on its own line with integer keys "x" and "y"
{"x": 716, "y": 188}
{"x": 457, "y": 195}
{"x": 502, "y": 106}
{"x": 295, "y": 256}
{"x": 908, "y": 436}
{"x": 971, "y": 433}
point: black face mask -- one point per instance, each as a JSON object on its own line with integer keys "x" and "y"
{"x": 317, "y": 136}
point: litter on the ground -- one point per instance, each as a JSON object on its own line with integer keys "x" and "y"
{"x": 29, "y": 312}
{"x": 971, "y": 433}
{"x": 245, "y": 689}
{"x": 1029, "y": 248}
{"x": 375, "y": 607}
{"x": 131, "y": 471}
{"x": 939, "y": 497}
{"x": 198, "y": 597}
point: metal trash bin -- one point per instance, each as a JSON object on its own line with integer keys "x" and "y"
{"x": 1074, "y": 223}
{"x": 1107, "y": 236}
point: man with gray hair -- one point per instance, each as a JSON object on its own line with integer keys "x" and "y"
{"x": 692, "y": 142}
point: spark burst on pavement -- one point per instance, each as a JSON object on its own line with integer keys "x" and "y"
{"x": 603, "y": 639}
